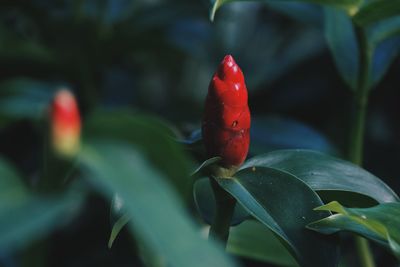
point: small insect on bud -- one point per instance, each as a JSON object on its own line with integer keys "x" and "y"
{"x": 65, "y": 124}
{"x": 226, "y": 121}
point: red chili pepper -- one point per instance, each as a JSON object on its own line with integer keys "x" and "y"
{"x": 65, "y": 123}
{"x": 226, "y": 121}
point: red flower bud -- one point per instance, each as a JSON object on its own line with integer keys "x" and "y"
{"x": 65, "y": 124}
{"x": 226, "y": 121}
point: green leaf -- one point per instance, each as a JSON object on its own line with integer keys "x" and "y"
{"x": 117, "y": 227}
{"x": 384, "y": 42}
{"x": 150, "y": 135}
{"x": 35, "y": 217}
{"x": 380, "y": 223}
{"x": 25, "y": 217}
{"x": 253, "y": 240}
{"x": 158, "y": 216}
{"x": 11, "y": 185}
{"x": 342, "y": 42}
{"x": 325, "y": 173}
{"x": 349, "y": 5}
{"x": 118, "y": 218}
{"x": 285, "y": 205}
{"x": 205, "y": 203}
{"x": 377, "y": 11}
{"x": 206, "y": 164}
{"x": 383, "y": 30}
{"x": 384, "y": 54}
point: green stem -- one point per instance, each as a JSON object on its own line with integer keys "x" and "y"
{"x": 224, "y": 208}
{"x": 358, "y": 129}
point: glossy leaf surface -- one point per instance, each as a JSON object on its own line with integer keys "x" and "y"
{"x": 379, "y": 223}
{"x": 285, "y": 205}
{"x": 325, "y": 173}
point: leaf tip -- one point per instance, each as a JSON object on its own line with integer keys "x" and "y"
{"x": 214, "y": 9}
{"x": 110, "y": 242}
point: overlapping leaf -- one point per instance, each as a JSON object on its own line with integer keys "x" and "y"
{"x": 342, "y": 41}
{"x": 284, "y": 204}
{"x": 380, "y": 223}
{"x": 326, "y": 173}
{"x": 376, "y": 11}
{"x": 25, "y": 217}
{"x": 158, "y": 217}
{"x": 150, "y": 135}
{"x": 253, "y": 240}
{"x": 205, "y": 203}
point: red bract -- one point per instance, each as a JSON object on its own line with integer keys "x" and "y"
{"x": 226, "y": 121}
{"x": 65, "y": 123}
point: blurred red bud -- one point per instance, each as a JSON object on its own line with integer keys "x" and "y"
{"x": 226, "y": 121}
{"x": 65, "y": 124}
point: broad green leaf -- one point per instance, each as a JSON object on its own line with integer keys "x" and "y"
{"x": 150, "y": 135}
{"x": 349, "y": 5}
{"x": 205, "y": 203}
{"x": 384, "y": 54}
{"x": 325, "y": 173}
{"x": 376, "y": 11}
{"x": 158, "y": 217}
{"x": 342, "y": 42}
{"x": 285, "y": 205}
{"x": 383, "y": 40}
{"x": 253, "y": 240}
{"x": 25, "y": 217}
{"x": 11, "y": 186}
{"x": 34, "y": 217}
{"x": 383, "y": 30}
{"x": 380, "y": 223}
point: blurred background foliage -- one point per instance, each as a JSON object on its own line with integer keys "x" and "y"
{"x": 156, "y": 57}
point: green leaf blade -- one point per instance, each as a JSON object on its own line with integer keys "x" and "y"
{"x": 379, "y": 223}
{"x": 377, "y": 11}
{"x": 253, "y": 240}
{"x": 342, "y": 42}
{"x": 158, "y": 217}
{"x": 325, "y": 173}
{"x": 284, "y": 204}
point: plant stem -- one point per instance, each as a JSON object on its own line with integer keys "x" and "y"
{"x": 360, "y": 100}
{"x": 224, "y": 208}
{"x": 358, "y": 129}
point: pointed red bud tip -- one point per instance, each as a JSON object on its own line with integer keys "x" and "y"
{"x": 226, "y": 121}
{"x": 65, "y": 124}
